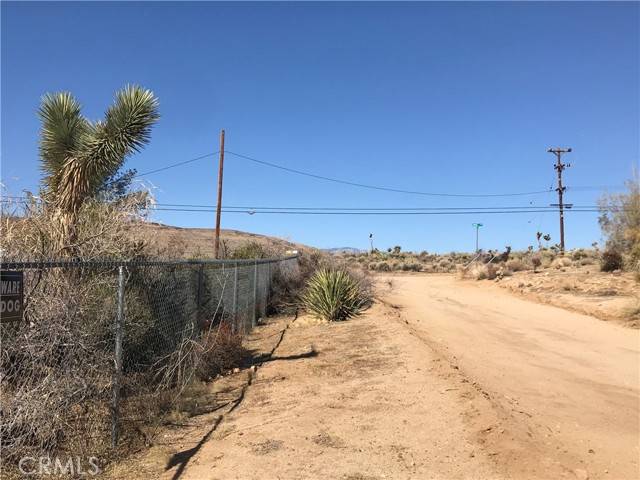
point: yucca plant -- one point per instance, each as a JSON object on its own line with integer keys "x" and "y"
{"x": 78, "y": 156}
{"x": 333, "y": 295}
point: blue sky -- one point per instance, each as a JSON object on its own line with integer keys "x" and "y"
{"x": 460, "y": 98}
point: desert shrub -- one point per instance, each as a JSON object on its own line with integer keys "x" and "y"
{"x": 504, "y": 272}
{"x": 333, "y": 295}
{"x": 220, "y": 350}
{"x": 492, "y": 271}
{"x": 287, "y": 283}
{"x": 444, "y": 264}
{"x": 547, "y": 256}
{"x": 587, "y": 261}
{"x": 536, "y": 261}
{"x": 579, "y": 254}
{"x": 516, "y": 265}
{"x": 382, "y": 267}
{"x": 611, "y": 260}
{"x": 480, "y": 271}
{"x": 412, "y": 267}
{"x": 101, "y": 230}
{"x": 250, "y": 250}
{"x": 620, "y": 221}
{"x": 561, "y": 262}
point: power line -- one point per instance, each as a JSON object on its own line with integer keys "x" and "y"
{"x": 298, "y": 212}
{"x": 377, "y": 187}
{"x": 524, "y": 208}
{"x": 249, "y": 207}
{"x": 174, "y": 165}
{"x": 585, "y": 188}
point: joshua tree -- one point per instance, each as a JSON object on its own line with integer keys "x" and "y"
{"x": 79, "y": 156}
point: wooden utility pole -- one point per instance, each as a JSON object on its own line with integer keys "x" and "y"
{"x": 559, "y": 166}
{"x": 219, "y": 204}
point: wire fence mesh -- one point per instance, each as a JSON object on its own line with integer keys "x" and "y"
{"x": 102, "y": 345}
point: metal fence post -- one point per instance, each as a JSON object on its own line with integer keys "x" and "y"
{"x": 199, "y": 297}
{"x": 269, "y": 279}
{"x": 118, "y": 359}
{"x": 235, "y": 297}
{"x": 255, "y": 292}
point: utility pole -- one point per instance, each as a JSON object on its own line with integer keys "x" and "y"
{"x": 219, "y": 204}
{"x": 559, "y": 166}
{"x": 371, "y": 242}
{"x": 477, "y": 225}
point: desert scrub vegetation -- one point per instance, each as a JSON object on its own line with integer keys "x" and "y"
{"x": 396, "y": 260}
{"x": 611, "y": 260}
{"x": 56, "y": 365}
{"x": 250, "y": 250}
{"x": 506, "y": 262}
{"x": 620, "y": 222}
{"x": 334, "y": 295}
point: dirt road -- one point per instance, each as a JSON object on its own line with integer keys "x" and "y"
{"x": 454, "y": 382}
{"x": 571, "y": 381}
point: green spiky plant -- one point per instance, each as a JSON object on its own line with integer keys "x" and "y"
{"x": 78, "y": 156}
{"x": 333, "y": 295}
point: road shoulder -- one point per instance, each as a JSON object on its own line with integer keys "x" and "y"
{"x": 363, "y": 399}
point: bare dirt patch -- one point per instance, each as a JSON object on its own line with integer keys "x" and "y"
{"x": 608, "y": 296}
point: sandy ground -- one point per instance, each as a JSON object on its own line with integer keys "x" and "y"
{"x": 575, "y": 379}
{"x": 443, "y": 380}
{"x": 584, "y": 289}
{"x": 362, "y": 399}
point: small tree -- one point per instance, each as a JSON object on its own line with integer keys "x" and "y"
{"x": 620, "y": 220}
{"x": 79, "y": 157}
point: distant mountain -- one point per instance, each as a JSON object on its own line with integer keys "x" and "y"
{"x": 339, "y": 250}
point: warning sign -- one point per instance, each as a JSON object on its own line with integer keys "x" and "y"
{"x": 11, "y": 291}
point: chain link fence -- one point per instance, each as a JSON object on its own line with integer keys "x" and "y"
{"x": 101, "y": 347}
